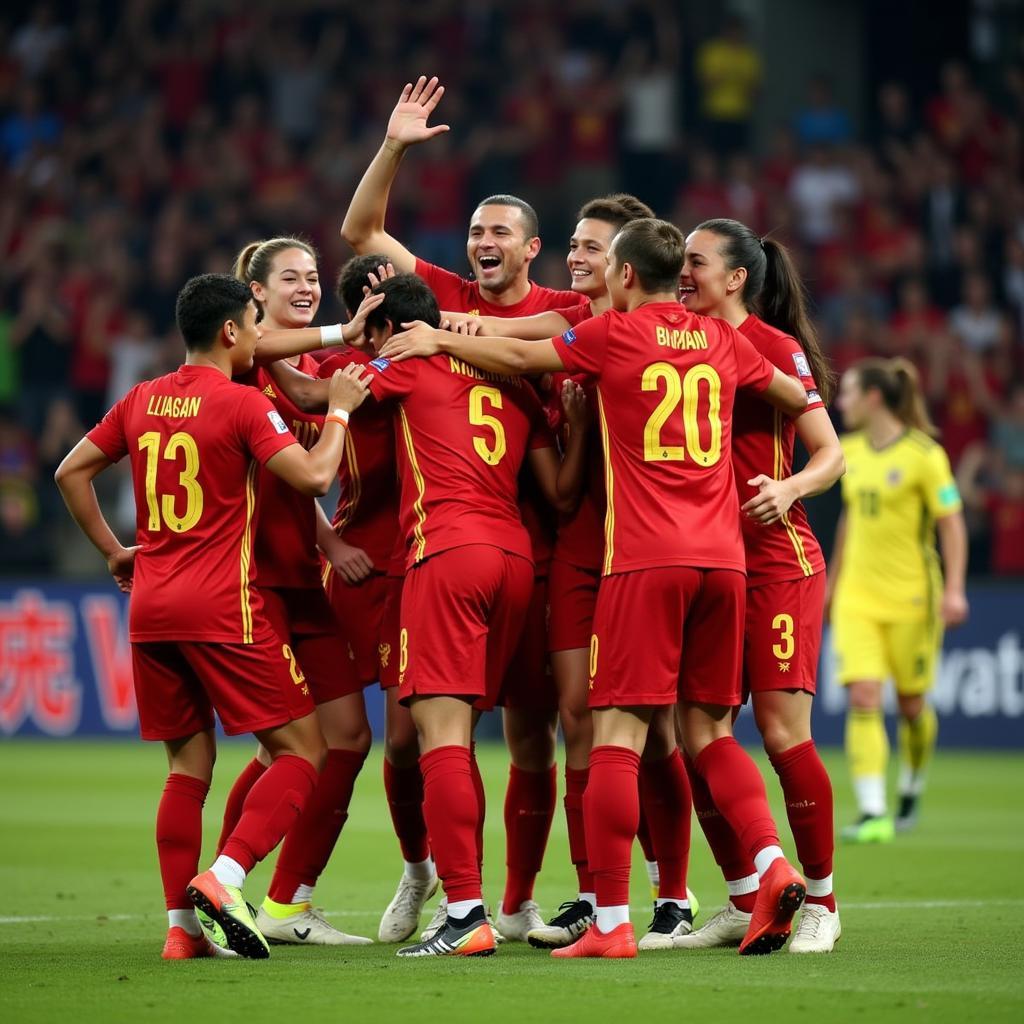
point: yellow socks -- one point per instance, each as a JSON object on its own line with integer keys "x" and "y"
{"x": 867, "y": 752}
{"x": 917, "y": 744}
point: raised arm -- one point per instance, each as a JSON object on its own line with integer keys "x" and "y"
{"x": 74, "y": 478}
{"x": 314, "y": 471}
{"x": 824, "y": 467}
{"x": 499, "y": 355}
{"x": 363, "y": 227}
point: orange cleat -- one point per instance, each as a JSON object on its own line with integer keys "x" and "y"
{"x": 781, "y": 892}
{"x": 618, "y": 944}
{"x": 179, "y": 945}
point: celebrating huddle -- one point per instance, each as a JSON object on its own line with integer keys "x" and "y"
{"x": 578, "y": 506}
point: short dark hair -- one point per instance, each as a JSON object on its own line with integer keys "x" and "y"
{"x": 354, "y": 277}
{"x": 530, "y": 222}
{"x": 617, "y": 209}
{"x": 406, "y": 298}
{"x": 655, "y": 250}
{"x": 205, "y": 303}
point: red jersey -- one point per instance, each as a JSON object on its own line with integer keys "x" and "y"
{"x": 286, "y": 551}
{"x": 666, "y": 381}
{"x": 463, "y": 436}
{"x": 367, "y": 513}
{"x": 762, "y": 442}
{"x": 196, "y": 441}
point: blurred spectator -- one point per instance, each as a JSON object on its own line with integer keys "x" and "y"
{"x": 729, "y": 75}
{"x": 977, "y": 323}
{"x": 822, "y": 121}
{"x": 819, "y": 186}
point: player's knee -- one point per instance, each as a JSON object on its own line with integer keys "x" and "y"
{"x": 778, "y": 736}
{"x": 864, "y": 696}
{"x": 911, "y": 706}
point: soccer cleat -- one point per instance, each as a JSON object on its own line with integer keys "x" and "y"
{"x": 870, "y": 829}
{"x": 906, "y": 815}
{"x": 306, "y": 927}
{"x": 179, "y": 945}
{"x": 403, "y": 912}
{"x": 436, "y": 923}
{"x": 724, "y": 928}
{"x": 226, "y": 905}
{"x": 214, "y": 932}
{"x": 472, "y": 936}
{"x": 779, "y": 896}
{"x": 817, "y": 931}
{"x": 670, "y": 921}
{"x": 572, "y": 920}
{"x": 618, "y": 944}
{"x": 517, "y": 927}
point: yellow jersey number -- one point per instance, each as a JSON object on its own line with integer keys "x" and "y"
{"x": 492, "y": 453}
{"x": 161, "y": 507}
{"x": 686, "y": 391}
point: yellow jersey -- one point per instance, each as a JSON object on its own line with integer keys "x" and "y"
{"x": 889, "y": 570}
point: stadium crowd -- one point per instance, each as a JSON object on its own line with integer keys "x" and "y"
{"x": 143, "y": 143}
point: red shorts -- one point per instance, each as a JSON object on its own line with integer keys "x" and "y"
{"x": 180, "y": 683}
{"x": 360, "y": 611}
{"x": 572, "y": 598}
{"x": 782, "y": 635}
{"x": 304, "y": 619}
{"x": 528, "y": 682}
{"x": 462, "y": 616}
{"x": 668, "y": 634}
{"x": 390, "y": 633}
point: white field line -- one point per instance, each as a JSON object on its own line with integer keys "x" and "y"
{"x": 645, "y": 908}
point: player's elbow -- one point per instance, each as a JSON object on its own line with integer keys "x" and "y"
{"x": 356, "y": 233}
{"x": 320, "y": 483}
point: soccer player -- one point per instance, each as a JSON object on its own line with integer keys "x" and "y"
{"x": 890, "y": 601}
{"x": 669, "y": 617}
{"x": 729, "y": 273}
{"x": 469, "y": 578}
{"x": 285, "y": 281}
{"x": 200, "y": 640}
{"x": 502, "y": 243}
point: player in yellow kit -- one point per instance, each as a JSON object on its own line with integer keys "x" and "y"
{"x": 890, "y": 602}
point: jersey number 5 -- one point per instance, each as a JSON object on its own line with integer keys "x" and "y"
{"x": 687, "y": 391}
{"x": 162, "y": 506}
{"x": 491, "y": 454}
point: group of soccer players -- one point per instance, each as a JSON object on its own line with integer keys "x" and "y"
{"x": 576, "y": 505}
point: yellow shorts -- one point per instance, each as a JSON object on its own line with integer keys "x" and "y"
{"x": 905, "y": 652}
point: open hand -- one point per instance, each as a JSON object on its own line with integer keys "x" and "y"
{"x": 352, "y": 564}
{"x": 416, "y": 339}
{"x": 772, "y": 501}
{"x": 408, "y": 122}
{"x": 348, "y": 388}
{"x": 354, "y": 332}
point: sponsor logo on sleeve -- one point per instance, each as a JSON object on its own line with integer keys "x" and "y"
{"x": 569, "y": 337}
{"x": 803, "y": 369}
{"x": 380, "y": 363}
{"x": 949, "y": 495}
{"x": 276, "y": 422}
{"x": 812, "y": 397}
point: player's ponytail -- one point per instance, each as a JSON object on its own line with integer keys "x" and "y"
{"x": 256, "y": 260}
{"x": 897, "y": 381}
{"x": 773, "y": 290}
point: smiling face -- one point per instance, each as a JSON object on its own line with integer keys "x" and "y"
{"x": 498, "y": 247}
{"x": 706, "y": 283}
{"x": 588, "y": 256}
{"x": 291, "y": 296}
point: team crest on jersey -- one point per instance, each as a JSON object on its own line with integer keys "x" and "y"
{"x": 803, "y": 368}
{"x": 276, "y": 422}
{"x": 384, "y": 651}
{"x": 893, "y": 477}
{"x": 380, "y": 363}
{"x": 269, "y": 392}
{"x": 569, "y": 337}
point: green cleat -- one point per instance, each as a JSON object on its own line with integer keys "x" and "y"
{"x": 870, "y": 829}
{"x": 694, "y": 903}
{"x": 226, "y": 905}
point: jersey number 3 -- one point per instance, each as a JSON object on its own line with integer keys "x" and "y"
{"x": 685, "y": 390}
{"x": 493, "y": 453}
{"x": 162, "y": 506}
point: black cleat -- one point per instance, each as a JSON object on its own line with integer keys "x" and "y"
{"x": 573, "y": 919}
{"x": 468, "y": 936}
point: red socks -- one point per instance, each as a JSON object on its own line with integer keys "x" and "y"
{"x": 808, "y": 792}
{"x": 251, "y": 774}
{"x": 611, "y": 810}
{"x": 452, "y": 812}
{"x": 481, "y": 799}
{"x": 643, "y": 836}
{"x": 667, "y": 805}
{"x": 737, "y": 790}
{"x": 529, "y": 808}
{"x": 404, "y": 789}
{"x": 179, "y": 836}
{"x": 575, "y": 787}
{"x": 270, "y": 810}
{"x": 311, "y": 840}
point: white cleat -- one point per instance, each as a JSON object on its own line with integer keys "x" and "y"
{"x": 402, "y": 916}
{"x": 670, "y": 922}
{"x": 817, "y": 931}
{"x": 571, "y": 921}
{"x": 726, "y": 928}
{"x": 308, "y": 927}
{"x": 517, "y": 927}
{"x": 436, "y": 923}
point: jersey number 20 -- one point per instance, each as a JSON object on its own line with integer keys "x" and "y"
{"x": 685, "y": 390}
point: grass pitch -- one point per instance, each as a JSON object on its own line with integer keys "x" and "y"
{"x": 931, "y": 925}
